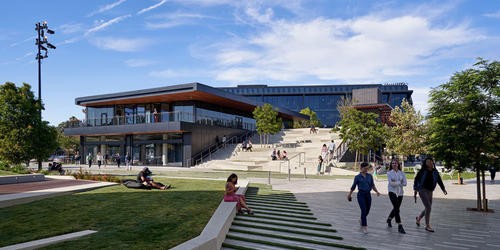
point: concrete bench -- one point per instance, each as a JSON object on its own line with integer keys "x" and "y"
{"x": 13, "y": 179}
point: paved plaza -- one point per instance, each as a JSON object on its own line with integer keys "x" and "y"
{"x": 456, "y": 228}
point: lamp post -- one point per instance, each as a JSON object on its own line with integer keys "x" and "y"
{"x": 41, "y": 29}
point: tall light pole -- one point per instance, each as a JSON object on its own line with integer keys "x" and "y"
{"x": 41, "y": 28}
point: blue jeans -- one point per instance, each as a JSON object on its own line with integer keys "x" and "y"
{"x": 365, "y": 202}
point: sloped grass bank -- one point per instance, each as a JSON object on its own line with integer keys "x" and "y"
{"x": 124, "y": 218}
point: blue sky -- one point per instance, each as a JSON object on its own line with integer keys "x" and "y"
{"x": 108, "y": 46}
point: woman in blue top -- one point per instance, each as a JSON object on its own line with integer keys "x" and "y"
{"x": 425, "y": 183}
{"x": 365, "y": 184}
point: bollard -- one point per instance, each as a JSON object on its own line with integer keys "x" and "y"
{"x": 289, "y": 174}
{"x": 269, "y": 177}
{"x": 305, "y": 175}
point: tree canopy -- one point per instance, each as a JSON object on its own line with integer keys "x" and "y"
{"x": 361, "y": 130}
{"x": 313, "y": 119}
{"x": 464, "y": 118}
{"x": 267, "y": 121}
{"x": 22, "y": 135}
{"x": 407, "y": 135}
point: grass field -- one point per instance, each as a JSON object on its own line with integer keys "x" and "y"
{"x": 124, "y": 218}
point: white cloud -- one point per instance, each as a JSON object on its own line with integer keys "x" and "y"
{"x": 493, "y": 15}
{"x": 169, "y": 20}
{"x": 420, "y": 99}
{"x": 120, "y": 44}
{"x": 32, "y": 38}
{"x": 107, "y": 7}
{"x": 134, "y": 63}
{"x": 152, "y": 7}
{"x": 365, "y": 48}
{"x": 70, "y": 28}
{"x": 103, "y": 25}
{"x": 182, "y": 74}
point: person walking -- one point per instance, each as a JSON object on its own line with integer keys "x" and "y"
{"x": 324, "y": 152}
{"x": 128, "y": 161}
{"x": 99, "y": 159}
{"x": 89, "y": 159}
{"x": 425, "y": 183}
{"x": 320, "y": 165}
{"x": 396, "y": 180}
{"x": 331, "y": 150}
{"x": 365, "y": 184}
{"x": 118, "y": 159}
{"x": 493, "y": 171}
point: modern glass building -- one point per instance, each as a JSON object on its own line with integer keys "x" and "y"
{"x": 322, "y": 99}
{"x": 164, "y": 126}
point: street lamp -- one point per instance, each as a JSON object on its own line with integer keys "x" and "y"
{"x": 41, "y": 28}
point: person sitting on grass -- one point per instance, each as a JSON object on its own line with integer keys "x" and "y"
{"x": 145, "y": 178}
{"x": 231, "y": 196}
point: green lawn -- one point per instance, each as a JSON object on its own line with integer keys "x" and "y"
{"x": 4, "y": 172}
{"x": 124, "y": 218}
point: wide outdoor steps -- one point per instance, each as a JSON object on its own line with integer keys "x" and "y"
{"x": 280, "y": 222}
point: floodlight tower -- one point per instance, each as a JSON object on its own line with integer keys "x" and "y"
{"x": 41, "y": 29}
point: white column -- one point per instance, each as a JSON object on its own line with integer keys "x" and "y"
{"x": 164, "y": 156}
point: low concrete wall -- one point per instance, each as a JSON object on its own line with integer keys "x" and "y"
{"x": 12, "y": 179}
{"x": 216, "y": 229}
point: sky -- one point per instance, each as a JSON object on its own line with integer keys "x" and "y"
{"x": 110, "y": 46}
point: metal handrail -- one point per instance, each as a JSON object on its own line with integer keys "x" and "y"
{"x": 214, "y": 148}
{"x": 302, "y": 160}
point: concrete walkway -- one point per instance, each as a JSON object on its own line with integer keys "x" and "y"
{"x": 456, "y": 228}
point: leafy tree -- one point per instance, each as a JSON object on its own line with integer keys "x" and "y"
{"x": 313, "y": 119}
{"x": 463, "y": 117}
{"x": 69, "y": 144}
{"x": 407, "y": 135}
{"x": 267, "y": 121}
{"x": 361, "y": 130}
{"x": 22, "y": 135}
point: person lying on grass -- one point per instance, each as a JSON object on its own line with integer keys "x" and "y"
{"x": 231, "y": 196}
{"x": 145, "y": 178}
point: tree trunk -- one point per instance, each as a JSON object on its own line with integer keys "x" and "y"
{"x": 478, "y": 184}
{"x": 484, "y": 191}
{"x": 356, "y": 160}
{"x": 459, "y": 182}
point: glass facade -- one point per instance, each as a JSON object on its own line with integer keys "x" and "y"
{"x": 321, "y": 99}
{"x": 160, "y": 112}
{"x": 155, "y": 148}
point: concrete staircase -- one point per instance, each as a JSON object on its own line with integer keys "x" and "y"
{"x": 280, "y": 222}
{"x": 260, "y": 157}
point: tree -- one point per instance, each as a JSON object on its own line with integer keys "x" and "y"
{"x": 69, "y": 144}
{"x": 267, "y": 121}
{"x": 463, "y": 117}
{"x": 361, "y": 130}
{"x": 313, "y": 119}
{"x": 407, "y": 135}
{"x": 22, "y": 135}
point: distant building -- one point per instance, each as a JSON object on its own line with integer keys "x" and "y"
{"x": 323, "y": 99}
{"x": 171, "y": 125}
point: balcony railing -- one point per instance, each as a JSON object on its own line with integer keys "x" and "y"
{"x": 175, "y": 116}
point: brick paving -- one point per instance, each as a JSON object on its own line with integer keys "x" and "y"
{"x": 33, "y": 186}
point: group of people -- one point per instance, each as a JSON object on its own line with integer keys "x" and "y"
{"x": 103, "y": 159}
{"x": 246, "y": 145}
{"x": 425, "y": 182}
{"x": 326, "y": 155}
{"x": 278, "y": 155}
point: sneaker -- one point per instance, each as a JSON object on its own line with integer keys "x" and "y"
{"x": 429, "y": 229}
{"x": 364, "y": 229}
{"x": 401, "y": 229}
{"x": 389, "y": 222}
